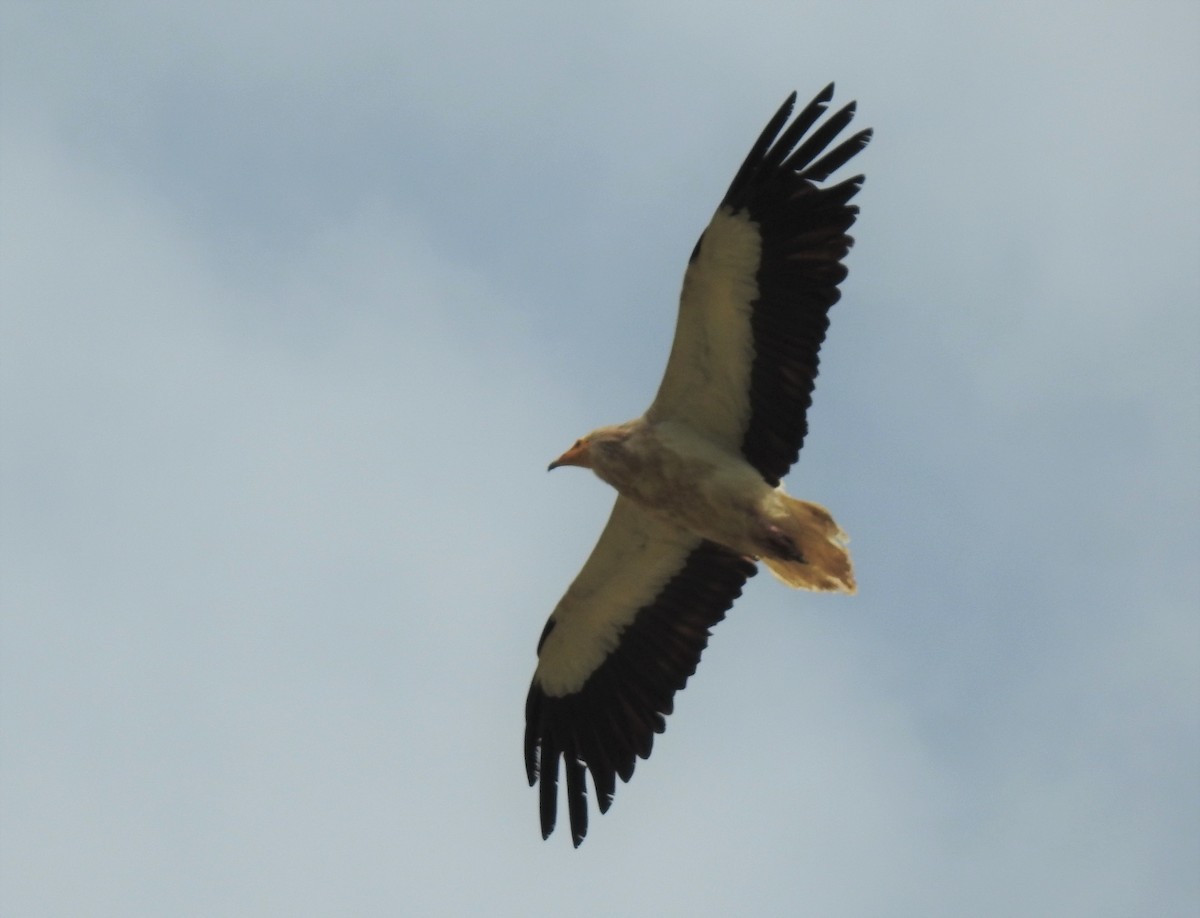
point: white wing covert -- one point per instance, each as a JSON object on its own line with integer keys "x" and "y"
{"x": 757, "y": 291}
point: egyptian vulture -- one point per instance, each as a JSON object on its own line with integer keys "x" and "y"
{"x": 698, "y": 475}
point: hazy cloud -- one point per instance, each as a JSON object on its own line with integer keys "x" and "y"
{"x": 294, "y": 309}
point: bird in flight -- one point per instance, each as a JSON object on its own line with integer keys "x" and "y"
{"x": 699, "y": 499}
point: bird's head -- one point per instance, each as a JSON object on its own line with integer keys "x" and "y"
{"x": 583, "y": 451}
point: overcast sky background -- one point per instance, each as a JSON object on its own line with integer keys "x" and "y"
{"x": 299, "y": 300}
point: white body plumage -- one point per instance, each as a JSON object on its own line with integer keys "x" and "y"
{"x": 684, "y": 479}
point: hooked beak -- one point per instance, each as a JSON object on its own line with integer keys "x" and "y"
{"x": 576, "y": 455}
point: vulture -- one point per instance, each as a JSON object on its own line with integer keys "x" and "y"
{"x": 699, "y": 500}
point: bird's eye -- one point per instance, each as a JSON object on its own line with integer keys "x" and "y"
{"x": 578, "y": 443}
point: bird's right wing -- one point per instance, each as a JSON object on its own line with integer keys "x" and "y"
{"x": 624, "y": 638}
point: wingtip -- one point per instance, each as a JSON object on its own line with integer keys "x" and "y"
{"x": 531, "y": 763}
{"x": 785, "y": 111}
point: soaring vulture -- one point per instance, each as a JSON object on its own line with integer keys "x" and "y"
{"x": 698, "y": 475}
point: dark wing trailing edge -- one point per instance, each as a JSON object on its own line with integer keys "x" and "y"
{"x": 757, "y": 291}
{"x": 803, "y": 231}
{"x": 604, "y": 725}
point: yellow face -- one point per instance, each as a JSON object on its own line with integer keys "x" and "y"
{"x": 576, "y": 455}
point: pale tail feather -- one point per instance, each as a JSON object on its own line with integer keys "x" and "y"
{"x": 826, "y": 565}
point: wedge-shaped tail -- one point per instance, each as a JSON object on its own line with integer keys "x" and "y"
{"x": 822, "y": 544}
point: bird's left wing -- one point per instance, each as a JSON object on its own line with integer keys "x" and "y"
{"x": 757, "y": 291}
{"x": 624, "y": 638}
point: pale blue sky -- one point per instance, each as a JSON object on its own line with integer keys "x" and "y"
{"x": 297, "y": 302}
